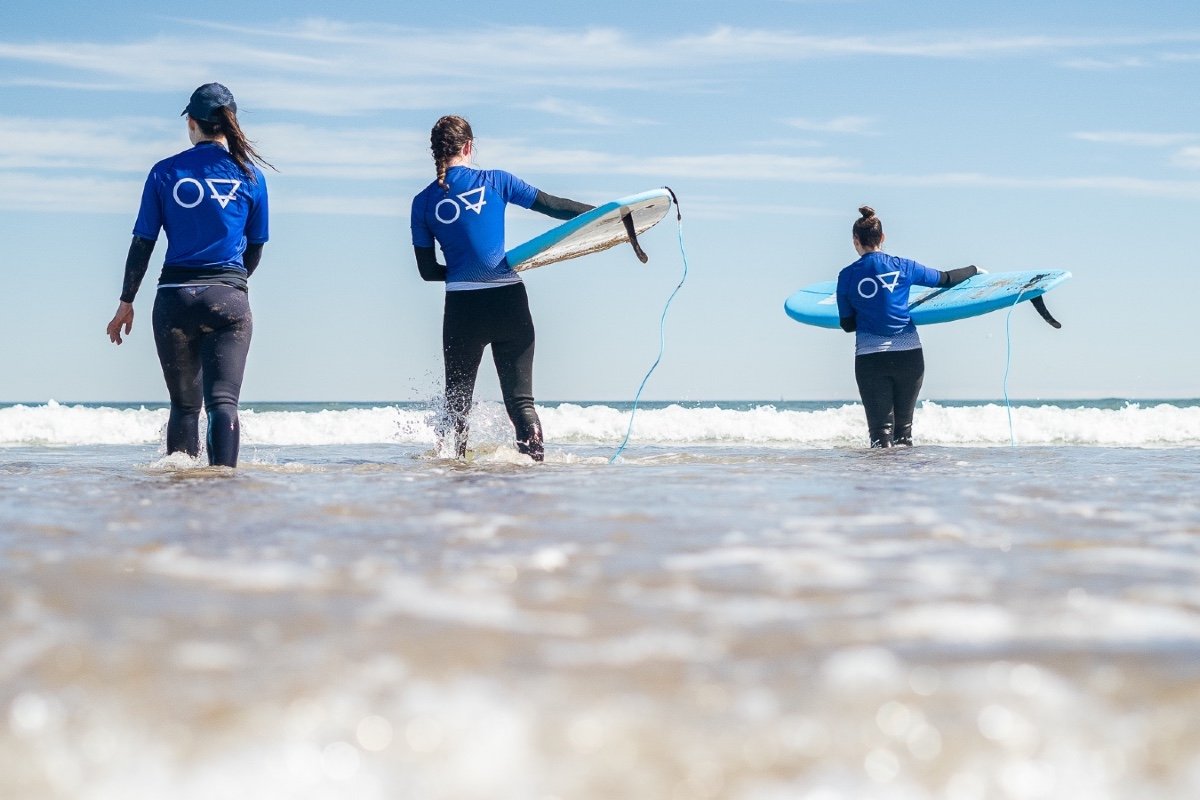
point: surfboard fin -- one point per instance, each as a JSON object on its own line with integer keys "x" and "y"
{"x": 627, "y": 219}
{"x": 1040, "y": 305}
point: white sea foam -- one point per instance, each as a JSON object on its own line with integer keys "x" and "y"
{"x": 1134, "y": 425}
{"x": 56, "y": 424}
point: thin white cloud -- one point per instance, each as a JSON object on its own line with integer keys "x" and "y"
{"x": 845, "y": 124}
{"x": 370, "y": 154}
{"x": 25, "y": 191}
{"x": 322, "y": 67}
{"x": 160, "y": 61}
{"x": 521, "y": 158}
{"x": 60, "y": 194}
{"x": 735, "y": 166}
{"x": 52, "y": 83}
{"x": 120, "y": 144}
{"x": 732, "y": 210}
{"x": 339, "y": 205}
{"x": 728, "y": 42}
{"x": 1187, "y": 157}
{"x": 134, "y": 144}
{"x": 526, "y": 160}
{"x": 403, "y": 71}
{"x": 1135, "y": 138}
{"x": 776, "y": 143}
{"x": 583, "y": 113}
{"x": 28, "y": 191}
{"x": 1118, "y": 184}
{"x": 1105, "y": 64}
{"x": 726, "y": 39}
{"x": 59, "y": 164}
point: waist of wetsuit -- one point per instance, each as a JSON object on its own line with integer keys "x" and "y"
{"x": 202, "y": 276}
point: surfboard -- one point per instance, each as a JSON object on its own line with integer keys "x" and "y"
{"x": 605, "y": 226}
{"x": 817, "y": 304}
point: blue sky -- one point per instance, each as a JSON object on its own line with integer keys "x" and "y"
{"x": 1008, "y": 135}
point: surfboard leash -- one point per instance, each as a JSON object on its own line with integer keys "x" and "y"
{"x": 1012, "y": 437}
{"x": 662, "y": 322}
{"x": 1039, "y": 303}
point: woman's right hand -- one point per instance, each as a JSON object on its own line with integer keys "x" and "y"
{"x": 123, "y": 318}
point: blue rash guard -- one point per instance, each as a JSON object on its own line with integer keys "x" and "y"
{"x": 874, "y": 291}
{"x": 210, "y": 210}
{"x": 468, "y": 222}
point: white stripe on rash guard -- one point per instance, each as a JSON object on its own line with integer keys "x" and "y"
{"x": 866, "y": 343}
{"x": 188, "y": 285}
{"x": 467, "y": 286}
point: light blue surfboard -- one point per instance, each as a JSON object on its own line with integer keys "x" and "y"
{"x": 603, "y": 227}
{"x": 817, "y": 304}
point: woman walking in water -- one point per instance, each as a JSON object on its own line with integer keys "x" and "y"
{"x": 872, "y": 298}
{"x": 212, "y": 202}
{"x": 486, "y": 303}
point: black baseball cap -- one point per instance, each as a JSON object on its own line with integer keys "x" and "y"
{"x": 207, "y": 99}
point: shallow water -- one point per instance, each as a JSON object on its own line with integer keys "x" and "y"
{"x": 702, "y": 621}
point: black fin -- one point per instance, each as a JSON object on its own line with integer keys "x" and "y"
{"x": 627, "y": 218}
{"x": 1040, "y": 305}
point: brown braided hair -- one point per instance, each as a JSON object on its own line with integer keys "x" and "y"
{"x": 449, "y": 136}
{"x": 241, "y": 148}
{"x": 868, "y": 229}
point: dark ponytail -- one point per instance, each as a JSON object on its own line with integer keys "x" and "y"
{"x": 868, "y": 230}
{"x": 449, "y": 136}
{"x": 225, "y": 123}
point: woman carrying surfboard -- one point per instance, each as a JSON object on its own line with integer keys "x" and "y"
{"x": 872, "y": 298}
{"x": 486, "y": 303}
{"x": 212, "y": 202}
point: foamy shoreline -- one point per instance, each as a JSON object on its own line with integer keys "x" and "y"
{"x": 1160, "y": 424}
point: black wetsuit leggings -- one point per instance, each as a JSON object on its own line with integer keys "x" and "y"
{"x": 500, "y": 317}
{"x": 203, "y": 335}
{"x": 889, "y": 384}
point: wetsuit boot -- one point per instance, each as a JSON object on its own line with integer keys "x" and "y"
{"x": 460, "y": 436}
{"x": 882, "y": 436}
{"x": 532, "y": 445}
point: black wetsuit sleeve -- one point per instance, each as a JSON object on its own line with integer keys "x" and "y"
{"x": 849, "y": 324}
{"x": 427, "y": 264}
{"x": 956, "y": 276}
{"x": 136, "y": 264}
{"x": 558, "y": 207}
{"x": 252, "y": 256}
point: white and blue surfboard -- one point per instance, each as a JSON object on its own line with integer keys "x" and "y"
{"x": 605, "y": 226}
{"x": 817, "y": 304}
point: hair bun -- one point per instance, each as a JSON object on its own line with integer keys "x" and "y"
{"x": 866, "y": 211}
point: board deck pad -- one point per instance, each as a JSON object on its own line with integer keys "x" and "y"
{"x": 817, "y": 304}
{"x": 593, "y": 231}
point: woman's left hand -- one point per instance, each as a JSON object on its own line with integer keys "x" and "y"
{"x": 123, "y": 317}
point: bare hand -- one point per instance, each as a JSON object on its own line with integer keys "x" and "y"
{"x": 123, "y": 317}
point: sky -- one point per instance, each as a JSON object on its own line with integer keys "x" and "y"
{"x": 1008, "y": 135}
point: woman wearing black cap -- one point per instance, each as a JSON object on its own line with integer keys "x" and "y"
{"x": 212, "y": 202}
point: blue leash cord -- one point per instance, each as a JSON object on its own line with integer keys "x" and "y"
{"x": 662, "y": 339}
{"x": 1012, "y": 438}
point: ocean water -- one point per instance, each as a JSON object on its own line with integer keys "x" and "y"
{"x": 746, "y": 605}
